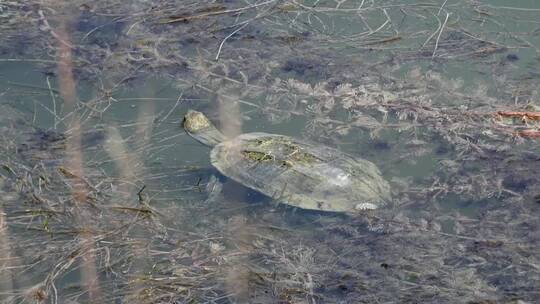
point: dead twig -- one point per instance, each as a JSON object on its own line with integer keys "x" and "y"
{"x": 526, "y": 115}
{"x": 529, "y": 133}
{"x": 213, "y": 12}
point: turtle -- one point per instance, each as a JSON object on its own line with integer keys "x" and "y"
{"x": 295, "y": 172}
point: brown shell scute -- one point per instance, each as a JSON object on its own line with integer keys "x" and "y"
{"x": 290, "y": 152}
{"x": 301, "y": 174}
{"x": 293, "y": 152}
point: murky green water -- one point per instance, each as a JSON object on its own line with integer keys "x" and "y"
{"x": 127, "y": 207}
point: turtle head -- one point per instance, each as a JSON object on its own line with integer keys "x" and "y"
{"x": 199, "y": 127}
{"x": 195, "y": 122}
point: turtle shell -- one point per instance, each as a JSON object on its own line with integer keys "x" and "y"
{"x": 301, "y": 174}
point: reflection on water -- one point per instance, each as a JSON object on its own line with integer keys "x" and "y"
{"x": 104, "y": 198}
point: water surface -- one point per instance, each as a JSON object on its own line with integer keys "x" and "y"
{"x": 106, "y": 200}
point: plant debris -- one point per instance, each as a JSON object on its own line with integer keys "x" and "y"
{"x": 432, "y": 93}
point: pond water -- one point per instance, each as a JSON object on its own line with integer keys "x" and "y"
{"x": 105, "y": 198}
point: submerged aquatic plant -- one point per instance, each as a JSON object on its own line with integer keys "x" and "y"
{"x": 375, "y": 78}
